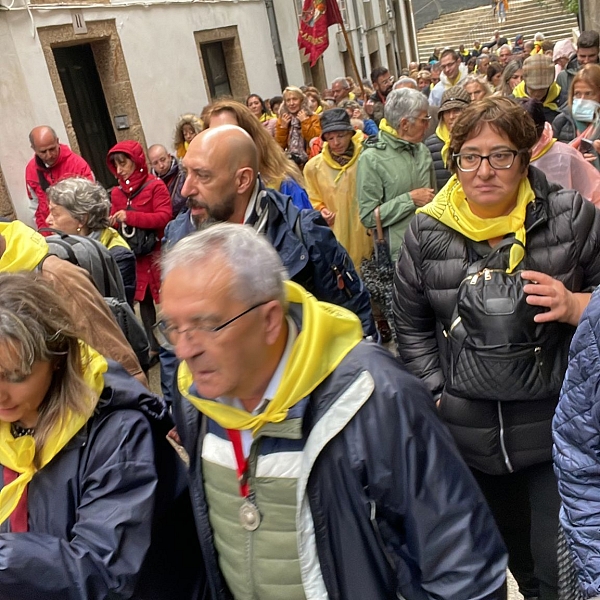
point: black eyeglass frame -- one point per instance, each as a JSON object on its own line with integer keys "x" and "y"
{"x": 456, "y": 157}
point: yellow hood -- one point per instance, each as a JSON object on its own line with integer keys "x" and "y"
{"x": 25, "y": 247}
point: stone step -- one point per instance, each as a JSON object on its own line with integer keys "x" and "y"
{"x": 525, "y": 16}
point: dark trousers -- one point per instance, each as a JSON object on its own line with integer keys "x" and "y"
{"x": 148, "y": 315}
{"x": 525, "y": 505}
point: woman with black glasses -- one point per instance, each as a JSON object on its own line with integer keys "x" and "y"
{"x": 491, "y": 281}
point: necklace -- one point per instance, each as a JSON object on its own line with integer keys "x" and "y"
{"x": 17, "y": 431}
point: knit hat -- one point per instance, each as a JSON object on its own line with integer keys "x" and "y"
{"x": 454, "y": 97}
{"x": 335, "y": 119}
{"x": 563, "y": 48}
{"x": 538, "y": 72}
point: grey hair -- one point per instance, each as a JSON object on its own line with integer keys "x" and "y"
{"x": 86, "y": 200}
{"x": 480, "y": 80}
{"x": 404, "y": 81}
{"x": 505, "y": 47}
{"x": 341, "y": 80}
{"x": 481, "y": 57}
{"x": 258, "y": 273}
{"x": 404, "y": 104}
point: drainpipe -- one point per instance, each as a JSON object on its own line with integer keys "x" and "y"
{"x": 405, "y": 35}
{"x": 359, "y": 31}
{"x": 413, "y": 30}
{"x": 276, "y": 41}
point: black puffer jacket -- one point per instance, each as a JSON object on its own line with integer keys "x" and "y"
{"x": 434, "y": 145}
{"x": 563, "y": 240}
{"x": 564, "y": 126}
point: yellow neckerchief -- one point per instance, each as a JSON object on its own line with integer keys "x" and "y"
{"x": 451, "y": 208}
{"x": 551, "y": 96}
{"x": 25, "y": 247}
{"x": 265, "y": 117}
{"x": 110, "y": 238}
{"x": 352, "y": 96}
{"x": 328, "y": 333}
{"x": 465, "y": 53}
{"x": 452, "y": 83}
{"x": 383, "y": 126}
{"x": 186, "y": 145}
{"x": 544, "y": 144}
{"x": 443, "y": 133}
{"x": 18, "y": 454}
{"x": 544, "y": 149}
{"x": 357, "y": 140}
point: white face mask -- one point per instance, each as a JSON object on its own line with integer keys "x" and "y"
{"x": 585, "y": 110}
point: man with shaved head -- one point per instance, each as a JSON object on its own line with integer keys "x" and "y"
{"x": 166, "y": 167}
{"x": 52, "y": 162}
{"x": 223, "y": 185}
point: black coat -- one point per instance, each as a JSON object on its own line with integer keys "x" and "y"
{"x": 125, "y": 260}
{"x": 99, "y": 505}
{"x": 434, "y": 145}
{"x": 564, "y": 127}
{"x": 563, "y": 240}
{"x": 395, "y": 510}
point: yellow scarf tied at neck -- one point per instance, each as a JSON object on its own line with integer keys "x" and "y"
{"x": 384, "y": 126}
{"x": 443, "y": 133}
{"x": 328, "y": 333}
{"x": 549, "y": 101}
{"x": 18, "y": 454}
{"x": 451, "y": 208}
{"x": 25, "y": 247}
{"x": 265, "y": 117}
{"x": 357, "y": 140}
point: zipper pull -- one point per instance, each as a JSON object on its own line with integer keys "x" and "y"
{"x": 487, "y": 274}
{"x": 537, "y": 351}
{"x": 474, "y": 279}
{"x": 340, "y": 280}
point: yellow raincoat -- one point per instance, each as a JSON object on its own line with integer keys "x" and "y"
{"x": 331, "y": 186}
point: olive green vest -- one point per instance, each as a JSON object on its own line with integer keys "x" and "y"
{"x": 261, "y": 564}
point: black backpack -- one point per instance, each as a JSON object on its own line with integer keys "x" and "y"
{"x": 93, "y": 257}
{"x": 496, "y": 349}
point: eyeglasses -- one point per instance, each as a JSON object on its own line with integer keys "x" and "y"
{"x": 425, "y": 119}
{"x": 468, "y": 163}
{"x": 448, "y": 65}
{"x": 168, "y": 335}
{"x": 390, "y": 79}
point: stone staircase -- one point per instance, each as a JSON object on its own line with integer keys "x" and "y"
{"x": 524, "y": 16}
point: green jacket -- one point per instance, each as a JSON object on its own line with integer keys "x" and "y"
{"x": 388, "y": 169}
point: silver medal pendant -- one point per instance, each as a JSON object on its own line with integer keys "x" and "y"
{"x": 249, "y": 516}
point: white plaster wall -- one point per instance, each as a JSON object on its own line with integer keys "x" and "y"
{"x": 163, "y": 63}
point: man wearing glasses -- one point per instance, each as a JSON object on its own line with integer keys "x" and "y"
{"x": 453, "y": 73}
{"x": 383, "y": 83}
{"x": 318, "y": 467}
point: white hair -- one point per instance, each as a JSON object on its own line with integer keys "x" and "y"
{"x": 341, "y": 80}
{"x": 258, "y": 273}
{"x": 404, "y": 104}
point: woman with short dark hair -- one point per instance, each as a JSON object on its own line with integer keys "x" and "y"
{"x": 497, "y": 384}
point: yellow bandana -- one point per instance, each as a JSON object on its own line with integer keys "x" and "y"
{"x": 543, "y": 150}
{"x": 328, "y": 333}
{"x": 443, "y": 133}
{"x": 25, "y": 247}
{"x": 383, "y": 126}
{"x": 265, "y": 117}
{"x": 549, "y": 102}
{"x": 110, "y": 238}
{"x": 451, "y": 208}
{"x": 18, "y": 454}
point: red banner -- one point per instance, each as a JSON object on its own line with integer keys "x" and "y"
{"x": 317, "y": 17}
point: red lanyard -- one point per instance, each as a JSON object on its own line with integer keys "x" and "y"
{"x": 18, "y": 519}
{"x": 235, "y": 437}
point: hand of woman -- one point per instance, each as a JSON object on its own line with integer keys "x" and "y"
{"x": 422, "y": 196}
{"x": 286, "y": 119}
{"x": 302, "y": 115}
{"x": 119, "y": 217}
{"x": 329, "y": 216}
{"x": 597, "y": 146}
{"x": 550, "y": 293}
{"x": 589, "y": 156}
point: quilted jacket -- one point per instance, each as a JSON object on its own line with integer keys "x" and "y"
{"x": 563, "y": 240}
{"x": 576, "y": 429}
{"x": 434, "y": 145}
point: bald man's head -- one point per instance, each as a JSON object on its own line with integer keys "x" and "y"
{"x": 160, "y": 159}
{"x": 44, "y": 142}
{"x": 222, "y": 166}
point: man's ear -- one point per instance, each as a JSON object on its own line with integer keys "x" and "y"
{"x": 246, "y": 179}
{"x": 275, "y": 316}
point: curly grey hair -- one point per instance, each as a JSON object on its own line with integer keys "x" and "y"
{"x": 86, "y": 200}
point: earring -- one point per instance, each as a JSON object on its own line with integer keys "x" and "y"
{"x": 78, "y": 229}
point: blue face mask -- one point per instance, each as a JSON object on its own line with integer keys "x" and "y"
{"x": 585, "y": 110}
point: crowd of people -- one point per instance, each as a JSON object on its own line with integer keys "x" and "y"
{"x": 273, "y": 250}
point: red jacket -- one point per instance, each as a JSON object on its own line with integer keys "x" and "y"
{"x": 37, "y": 173}
{"x": 151, "y": 209}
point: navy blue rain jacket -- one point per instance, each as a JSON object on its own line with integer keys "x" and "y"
{"x": 576, "y": 432}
